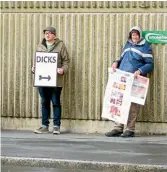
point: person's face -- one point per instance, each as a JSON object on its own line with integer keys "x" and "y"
{"x": 135, "y": 37}
{"x": 49, "y": 36}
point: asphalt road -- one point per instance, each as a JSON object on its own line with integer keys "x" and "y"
{"x": 23, "y": 151}
{"x": 138, "y": 150}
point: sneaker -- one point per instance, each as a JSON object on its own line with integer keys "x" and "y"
{"x": 128, "y": 133}
{"x": 113, "y": 133}
{"x": 56, "y": 130}
{"x": 41, "y": 130}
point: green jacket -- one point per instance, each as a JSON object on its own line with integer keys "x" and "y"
{"x": 63, "y": 58}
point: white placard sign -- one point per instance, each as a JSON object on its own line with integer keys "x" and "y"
{"x": 45, "y": 69}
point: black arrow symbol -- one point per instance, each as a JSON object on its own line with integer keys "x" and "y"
{"x": 42, "y": 77}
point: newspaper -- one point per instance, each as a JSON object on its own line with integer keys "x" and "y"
{"x": 122, "y": 89}
{"x": 139, "y": 90}
{"x": 117, "y": 99}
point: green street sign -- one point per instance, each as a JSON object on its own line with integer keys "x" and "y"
{"x": 155, "y": 37}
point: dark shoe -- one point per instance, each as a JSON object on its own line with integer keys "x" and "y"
{"x": 56, "y": 130}
{"x": 113, "y": 133}
{"x": 128, "y": 133}
{"x": 41, "y": 130}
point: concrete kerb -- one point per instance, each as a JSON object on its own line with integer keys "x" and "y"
{"x": 86, "y": 165}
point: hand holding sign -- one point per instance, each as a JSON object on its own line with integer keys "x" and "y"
{"x": 33, "y": 69}
{"x": 114, "y": 66}
{"x": 137, "y": 73}
{"x": 60, "y": 71}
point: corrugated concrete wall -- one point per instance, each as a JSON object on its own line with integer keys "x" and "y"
{"x": 94, "y": 33}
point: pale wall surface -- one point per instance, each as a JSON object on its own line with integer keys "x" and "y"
{"x": 82, "y": 126}
{"x": 94, "y": 33}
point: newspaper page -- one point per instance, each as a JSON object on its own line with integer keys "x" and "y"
{"x": 117, "y": 98}
{"x": 139, "y": 90}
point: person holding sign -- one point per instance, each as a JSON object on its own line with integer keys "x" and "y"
{"x": 136, "y": 58}
{"x": 52, "y": 44}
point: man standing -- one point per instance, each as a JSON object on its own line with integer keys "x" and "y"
{"x": 52, "y": 44}
{"x": 136, "y": 58}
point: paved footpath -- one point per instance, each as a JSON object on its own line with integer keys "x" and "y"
{"x": 83, "y": 151}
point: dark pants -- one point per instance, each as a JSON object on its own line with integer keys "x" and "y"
{"x": 50, "y": 94}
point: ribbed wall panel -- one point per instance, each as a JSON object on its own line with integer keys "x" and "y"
{"x": 79, "y": 6}
{"x": 93, "y": 41}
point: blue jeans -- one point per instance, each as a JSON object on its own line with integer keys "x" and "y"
{"x": 50, "y": 94}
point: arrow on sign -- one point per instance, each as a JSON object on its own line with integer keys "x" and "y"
{"x": 42, "y": 77}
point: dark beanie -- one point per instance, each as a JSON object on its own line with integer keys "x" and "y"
{"x": 51, "y": 29}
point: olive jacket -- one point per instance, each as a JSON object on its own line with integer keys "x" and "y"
{"x": 63, "y": 57}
